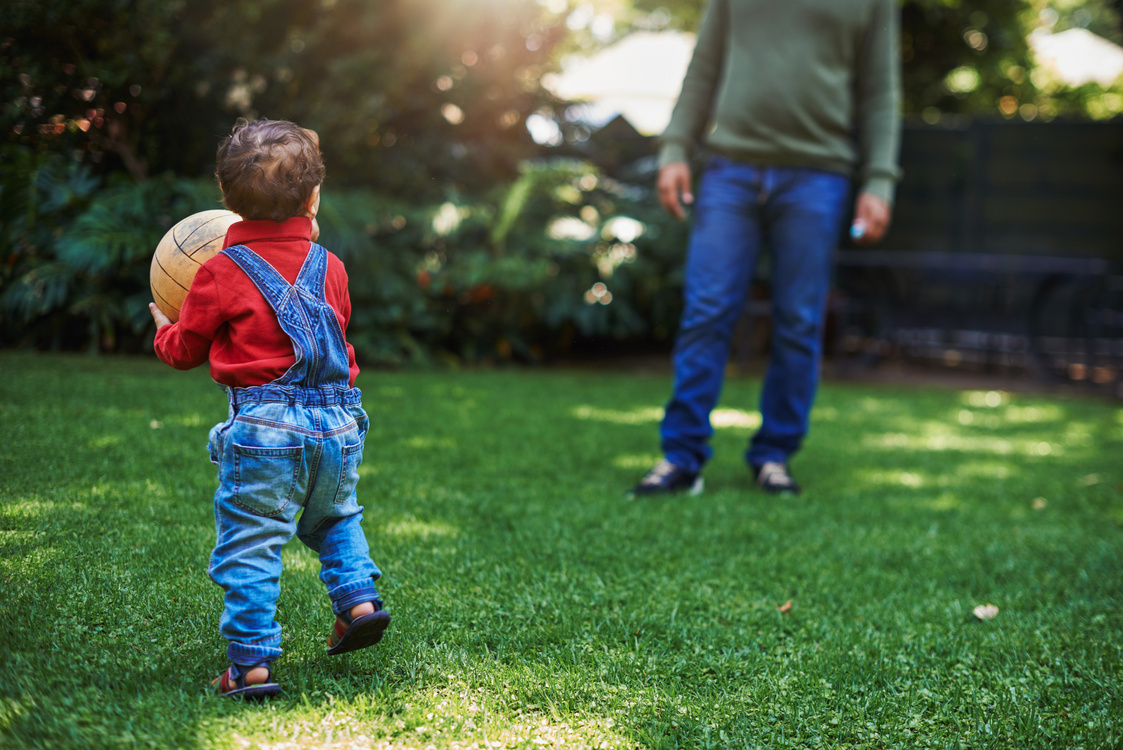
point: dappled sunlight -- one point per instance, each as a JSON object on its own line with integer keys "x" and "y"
{"x": 430, "y": 443}
{"x": 410, "y": 528}
{"x": 29, "y": 555}
{"x": 450, "y": 711}
{"x": 721, "y": 418}
{"x": 31, "y": 516}
{"x": 994, "y": 408}
{"x": 992, "y": 415}
{"x": 636, "y": 461}
{"x": 983, "y": 470}
{"x": 942, "y": 502}
{"x": 909, "y": 479}
{"x": 298, "y": 557}
{"x": 1078, "y": 434}
{"x": 990, "y": 423}
{"x": 873, "y": 405}
{"x": 104, "y": 441}
{"x": 1033, "y": 414}
{"x": 825, "y": 414}
{"x": 977, "y": 410}
{"x": 190, "y": 420}
{"x": 992, "y": 399}
{"x": 920, "y": 442}
{"x": 914, "y": 490}
{"x": 32, "y": 508}
{"x": 935, "y": 435}
{"x": 307, "y": 729}
{"x": 639, "y": 415}
{"x": 461, "y": 699}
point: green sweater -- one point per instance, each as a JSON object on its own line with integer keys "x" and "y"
{"x": 811, "y": 83}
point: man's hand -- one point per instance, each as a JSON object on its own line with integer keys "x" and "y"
{"x": 674, "y": 186}
{"x": 158, "y": 315}
{"x": 871, "y": 215}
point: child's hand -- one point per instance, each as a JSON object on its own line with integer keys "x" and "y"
{"x": 158, "y": 315}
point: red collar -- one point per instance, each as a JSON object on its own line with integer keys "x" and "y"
{"x": 248, "y": 230}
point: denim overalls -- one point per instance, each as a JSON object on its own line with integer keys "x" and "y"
{"x": 294, "y": 443}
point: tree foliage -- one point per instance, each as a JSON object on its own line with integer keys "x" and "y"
{"x": 462, "y": 234}
{"x": 405, "y": 93}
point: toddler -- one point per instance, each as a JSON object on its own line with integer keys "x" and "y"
{"x": 269, "y": 314}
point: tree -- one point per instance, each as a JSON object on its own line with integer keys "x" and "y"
{"x": 959, "y": 58}
{"x": 404, "y": 93}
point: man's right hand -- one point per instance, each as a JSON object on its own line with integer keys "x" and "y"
{"x": 674, "y": 188}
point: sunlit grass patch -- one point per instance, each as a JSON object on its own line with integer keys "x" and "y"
{"x": 644, "y": 415}
{"x": 636, "y": 461}
{"x": 410, "y": 528}
{"x": 535, "y": 606}
{"x": 724, "y": 417}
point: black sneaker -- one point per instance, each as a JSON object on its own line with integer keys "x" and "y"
{"x": 666, "y": 478}
{"x": 773, "y": 477}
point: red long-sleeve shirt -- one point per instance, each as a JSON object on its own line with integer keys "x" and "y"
{"x": 226, "y": 320}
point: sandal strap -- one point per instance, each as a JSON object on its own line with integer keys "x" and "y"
{"x": 346, "y": 616}
{"x": 343, "y": 621}
{"x": 235, "y": 675}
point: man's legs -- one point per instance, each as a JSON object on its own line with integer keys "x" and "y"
{"x": 804, "y": 216}
{"x": 724, "y": 245}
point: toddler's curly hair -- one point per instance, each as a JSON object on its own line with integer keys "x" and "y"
{"x": 267, "y": 169}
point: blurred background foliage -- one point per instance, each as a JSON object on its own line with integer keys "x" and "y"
{"x": 465, "y": 238}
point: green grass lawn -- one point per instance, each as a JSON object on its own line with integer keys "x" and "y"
{"x": 535, "y": 606}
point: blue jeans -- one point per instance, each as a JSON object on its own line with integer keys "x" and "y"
{"x": 274, "y": 457}
{"x": 797, "y": 212}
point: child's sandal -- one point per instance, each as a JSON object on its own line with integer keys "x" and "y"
{"x": 232, "y": 683}
{"x": 360, "y": 632}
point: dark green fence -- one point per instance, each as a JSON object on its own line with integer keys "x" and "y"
{"x": 1006, "y": 251}
{"x": 1012, "y": 187}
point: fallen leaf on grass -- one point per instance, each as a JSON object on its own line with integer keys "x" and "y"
{"x": 986, "y": 611}
{"x": 786, "y": 607}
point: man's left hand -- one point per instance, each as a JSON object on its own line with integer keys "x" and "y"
{"x": 873, "y": 215}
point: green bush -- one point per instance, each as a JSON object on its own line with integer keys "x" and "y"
{"x": 509, "y": 276}
{"x": 77, "y": 252}
{"x": 560, "y": 256}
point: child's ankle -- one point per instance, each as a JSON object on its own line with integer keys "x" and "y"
{"x": 364, "y": 608}
{"x": 257, "y": 676}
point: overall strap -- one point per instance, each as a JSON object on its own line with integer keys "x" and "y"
{"x": 313, "y": 274}
{"x": 304, "y": 314}
{"x": 272, "y": 285}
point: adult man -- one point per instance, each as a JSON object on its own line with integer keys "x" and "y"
{"x": 795, "y": 99}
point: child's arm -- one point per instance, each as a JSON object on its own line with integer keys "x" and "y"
{"x": 187, "y": 342}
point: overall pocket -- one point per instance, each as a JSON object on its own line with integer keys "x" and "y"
{"x": 349, "y": 471}
{"x": 265, "y": 479}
